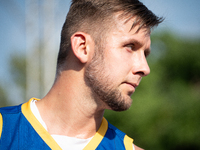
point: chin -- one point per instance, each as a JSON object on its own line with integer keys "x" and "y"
{"x": 122, "y": 105}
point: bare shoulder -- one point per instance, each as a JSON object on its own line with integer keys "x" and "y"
{"x": 138, "y": 148}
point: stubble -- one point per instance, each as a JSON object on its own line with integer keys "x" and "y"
{"x": 98, "y": 78}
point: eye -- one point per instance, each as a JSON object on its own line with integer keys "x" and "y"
{"x": 147, "y": 52}
{"x": 130, "y": 47}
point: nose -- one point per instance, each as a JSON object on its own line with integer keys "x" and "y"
{"x": 141, "y": 66}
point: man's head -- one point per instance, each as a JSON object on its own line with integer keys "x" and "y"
{"x": 120, "y": 31}
{"x": 96, "y": 18}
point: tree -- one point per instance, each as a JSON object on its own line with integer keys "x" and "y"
{"x": 18, "y": 71}
{"x": 3, "y": 98}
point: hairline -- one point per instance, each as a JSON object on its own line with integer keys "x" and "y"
{"x": 106, "y": 27}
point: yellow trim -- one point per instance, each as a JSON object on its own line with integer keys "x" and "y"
{"x": 26, "y": 110}
{"x": 1, "y": 124}
{"x": 96, "y": 140}
{"x": 93, "y": 144}
{"x": 128, "y": 142}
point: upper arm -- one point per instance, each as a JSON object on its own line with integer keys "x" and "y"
{"x": 137, "y": 148}
{"x": 1, "y": 124}
{"x": 128, "y": 142}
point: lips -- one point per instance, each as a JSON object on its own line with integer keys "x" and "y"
{"x": 132, "y": 85}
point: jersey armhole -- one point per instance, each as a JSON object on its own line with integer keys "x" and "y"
{"x": 128, "y": 143}
{"x": 1, "y": 124}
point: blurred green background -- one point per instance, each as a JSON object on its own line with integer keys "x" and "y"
{"x": 165, "y": 114}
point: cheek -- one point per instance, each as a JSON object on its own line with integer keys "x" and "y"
{"x": 118, "y": 64}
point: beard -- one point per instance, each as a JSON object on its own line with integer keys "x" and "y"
{"x": 102, "y": 85}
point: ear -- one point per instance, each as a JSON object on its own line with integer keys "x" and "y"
{"x": 80, "y": 42}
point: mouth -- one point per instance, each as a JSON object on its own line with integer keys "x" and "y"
{"x": 132, "y": 86}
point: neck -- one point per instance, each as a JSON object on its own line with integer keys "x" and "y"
{"x": 69, "y": 109}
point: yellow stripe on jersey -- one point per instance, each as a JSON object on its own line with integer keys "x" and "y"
{"x": 128, "y": 142}
{"x": 96, "y": 140}
{"x": 26, "y": 110}
{"x": 1, "y": 124}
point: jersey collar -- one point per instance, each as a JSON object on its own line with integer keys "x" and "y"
{"x": 43, "y": 133}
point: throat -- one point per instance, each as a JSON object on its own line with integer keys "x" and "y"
{"x": 81, "y": 127}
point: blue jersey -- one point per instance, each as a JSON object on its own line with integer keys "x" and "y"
{"x": 19, "y": 129}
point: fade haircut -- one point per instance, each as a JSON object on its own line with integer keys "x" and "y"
{"x": 95, "y": 17}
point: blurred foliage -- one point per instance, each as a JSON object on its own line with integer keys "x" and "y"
{"x": 18, "y": 70}
{"x": 18, "y": 76}
{"x": 165, "y": 113}
{"x": 18, "y": 73}
{"x": 3, "y": 97}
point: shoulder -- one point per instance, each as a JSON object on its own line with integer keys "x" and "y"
{"x": 10, "y": 109}
{"x": 122, "y": 136}
{"x": 115, "y": 130}
{"x": 138, "y": 148}
{"x": 8, "y": 116}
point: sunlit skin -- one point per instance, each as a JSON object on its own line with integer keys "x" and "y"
{"x": 70, "y": 108}
{"x": 125, "y": 57}
{"x": 118, "y": 70}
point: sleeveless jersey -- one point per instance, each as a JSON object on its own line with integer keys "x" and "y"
{"x": 20, "y": 130}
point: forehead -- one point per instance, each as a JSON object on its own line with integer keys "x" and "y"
{"x": 131, "y": 23}
{"x": 126, "y": 28}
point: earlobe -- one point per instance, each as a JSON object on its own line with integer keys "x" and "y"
{"x": 79, "y": 46}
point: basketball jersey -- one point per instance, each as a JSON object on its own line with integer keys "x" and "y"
{"x": 19, "y": 129}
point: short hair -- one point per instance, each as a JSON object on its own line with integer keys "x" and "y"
{"x": 93, "y": 17}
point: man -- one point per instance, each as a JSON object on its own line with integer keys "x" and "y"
{"x": 102, "y": 59}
